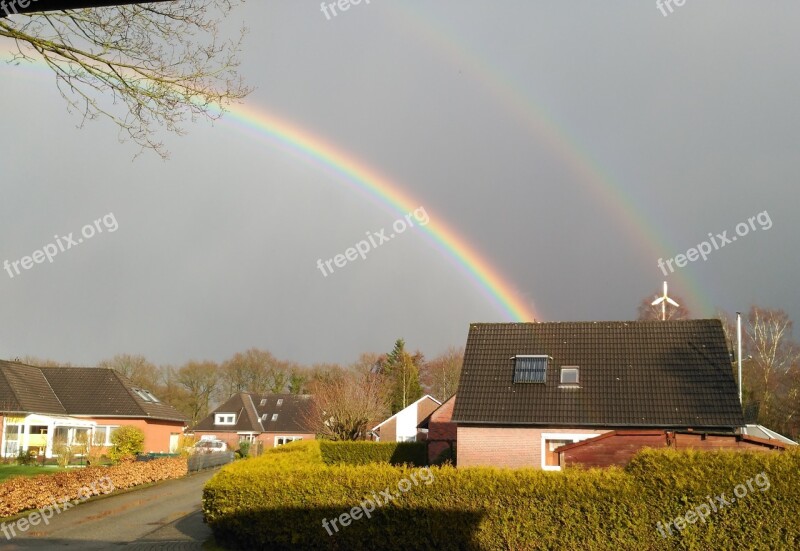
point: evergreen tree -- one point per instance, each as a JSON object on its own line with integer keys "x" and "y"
{"x": 401, "y": 371}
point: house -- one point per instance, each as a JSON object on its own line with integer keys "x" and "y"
{"x": 527, "y": 389}
{"x": 43, "y": 405}
{"x": 402, "y": 426}
{"x": 273, "y": 419}
{"x": 440, "y": 431}
{"x": 617, "y": 447}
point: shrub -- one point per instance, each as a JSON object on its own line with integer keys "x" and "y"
{"x": 244, "y": 448}
{"x": 279, "y": 501}
{"x": 26, "y": 458}
{"x": 62, "y": 451}
{"x": 126, "y": 443}
{"x": 362, "y": 453}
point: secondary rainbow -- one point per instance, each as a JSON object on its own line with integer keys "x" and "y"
{"x": 357, "y": 173}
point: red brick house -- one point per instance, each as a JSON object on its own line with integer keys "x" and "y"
{"x": 272, "y": 419}
{"x": 43, "y": 405}
{"x": 441, "y": 432}
{"x": 527, "y": 389}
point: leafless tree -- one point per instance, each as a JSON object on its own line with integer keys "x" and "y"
{"x": 440, "y": 375}
{"x": 143, "y": 66}
{"x": 199, "y": 380}
{"x": 346, "y": 404}
{"x": 136, "y": 368}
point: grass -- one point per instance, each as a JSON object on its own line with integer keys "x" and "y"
{"x": 10, "y": 471}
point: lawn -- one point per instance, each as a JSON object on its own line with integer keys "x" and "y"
{"x": 9, "y": 471}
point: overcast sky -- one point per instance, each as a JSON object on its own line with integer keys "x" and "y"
{"x": 572, "y": 144}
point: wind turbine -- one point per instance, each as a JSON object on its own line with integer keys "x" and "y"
{"x": 663, "y": 300}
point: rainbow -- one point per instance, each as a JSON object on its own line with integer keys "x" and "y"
{"x": 358, "y": 174}
{"x": 611, "y": 195}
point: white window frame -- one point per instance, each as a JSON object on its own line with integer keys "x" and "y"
{"x": 224, "y": 418}
{"x": 286, "y": 440}
{"x": 108, "y": 429}
{"x": 571, "y": 436}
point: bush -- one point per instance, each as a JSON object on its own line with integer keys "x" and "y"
{"x": 244, "y": 448}
{"x": 26, "y": 458}
{"x": 362, "y": 453}
{"x": 126, "y": 443}
{"x": 279, "y": 501}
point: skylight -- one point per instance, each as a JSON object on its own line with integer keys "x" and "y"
{"x": 530, "y": 369}
{"x": 569, "y": 375}
{"x": 275, "y": 417}
{"x": 280, "y": 402}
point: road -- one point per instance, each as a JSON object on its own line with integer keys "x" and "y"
{"x": 166, "y": 516}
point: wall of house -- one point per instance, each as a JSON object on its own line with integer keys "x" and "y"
{"x": 388, "y": 431}
{"x": 267, "y": 438}
{"x": 620, "y": 448}
{"x": 441, "y": 431}
{"x": 156, "y": 433}
{"x": 512, "y": 447}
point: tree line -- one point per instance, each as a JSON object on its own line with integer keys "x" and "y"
{"x": 377, "y": 384}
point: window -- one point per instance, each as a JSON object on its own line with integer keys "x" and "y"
{"x": 281, "y": 440}
{"x": 225, "y": 419}
{"x": 275, "y": 417}
{"x": 102, "y": 435}
{"x": 552, "y": 441}
{"x": 264, "y": 417}
{"x": 569, "y": 375}
{"x": 151, "y": 396}
{"x": 280, "y": 402}
{"x": 142, "y": 394}
{"x": 530, "y": 369}
{"x": 263, "y": 402}
{"x": 550, "y": 455}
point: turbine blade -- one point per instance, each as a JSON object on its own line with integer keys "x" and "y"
{"x": 657, "y": 301}
{"x": 672, "y": 302}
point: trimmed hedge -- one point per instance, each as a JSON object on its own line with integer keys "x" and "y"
{"x": 279, "y": 501}
{"x": 362, "y": 453}
{"x": 23, "y": 493}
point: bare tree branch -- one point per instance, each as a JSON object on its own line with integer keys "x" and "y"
{"x": 145, "y": 67}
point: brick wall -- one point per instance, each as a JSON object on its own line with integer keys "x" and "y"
{"x": 441, "y": 431}
{"x": 512, "y": 447}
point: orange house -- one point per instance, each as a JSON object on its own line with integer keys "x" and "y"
{"x": 41, "y": 406}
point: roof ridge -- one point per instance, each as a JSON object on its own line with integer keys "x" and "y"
{"x": 60, "y": 403}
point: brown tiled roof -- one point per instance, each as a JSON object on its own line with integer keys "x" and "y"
{"x": 632, "y": 374}
{"x": 250, "y": 414}
{"x": 24, "y": 388}
{"x": 104, "y": 392}
{"x": 90, "y": 391}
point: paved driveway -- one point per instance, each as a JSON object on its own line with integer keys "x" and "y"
{"x": 165, "y": 516}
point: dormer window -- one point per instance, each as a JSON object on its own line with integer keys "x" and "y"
{"x": 225, "y": 419}
{"x": 530, "y": 369}
{"x": 569, "y": 375}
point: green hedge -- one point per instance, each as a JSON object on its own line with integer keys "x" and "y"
{"x": 362, "y": 453}
{"x": 279, "y": 501}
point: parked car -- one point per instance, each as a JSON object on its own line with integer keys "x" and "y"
{"x": 210, "y": 446}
